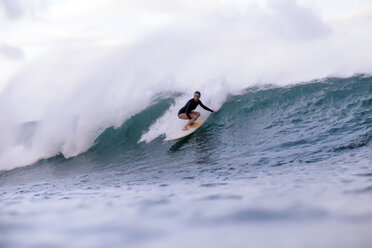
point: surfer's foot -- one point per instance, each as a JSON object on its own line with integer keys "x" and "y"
{"x": 185, "y": 129}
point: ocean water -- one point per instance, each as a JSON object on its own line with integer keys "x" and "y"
{"x": 276, "y": 166}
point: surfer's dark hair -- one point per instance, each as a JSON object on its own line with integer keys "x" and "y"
{"x": 197, "y": 92}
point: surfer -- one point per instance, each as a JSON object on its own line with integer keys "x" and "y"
{"x": 187, "y": 113}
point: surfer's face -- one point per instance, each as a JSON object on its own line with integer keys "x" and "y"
{"x": 196, "y": 97}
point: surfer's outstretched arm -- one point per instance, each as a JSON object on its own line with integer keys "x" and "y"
{"x": 205, "y": 107}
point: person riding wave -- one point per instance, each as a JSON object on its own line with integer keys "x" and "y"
{"x": 187, "y": 113}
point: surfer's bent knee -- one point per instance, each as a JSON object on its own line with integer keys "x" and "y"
{"x": 183, "y": 116}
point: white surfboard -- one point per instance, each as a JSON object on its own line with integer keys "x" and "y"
{"x": 183, "y": 133}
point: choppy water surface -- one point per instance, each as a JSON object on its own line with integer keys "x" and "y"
{"x": 283, "y": 166}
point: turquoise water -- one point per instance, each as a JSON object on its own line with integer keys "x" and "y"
{"x": 286, "y": 166}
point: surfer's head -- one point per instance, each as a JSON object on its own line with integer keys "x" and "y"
{"x": 196, "y": 96}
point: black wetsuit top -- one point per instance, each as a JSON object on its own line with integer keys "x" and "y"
{"x": 190, "y": 106}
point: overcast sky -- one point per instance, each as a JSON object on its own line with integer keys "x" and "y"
{"x": 32, "y": 29}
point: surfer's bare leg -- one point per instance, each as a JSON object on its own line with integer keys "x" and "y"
{"x": 194, "y": 116}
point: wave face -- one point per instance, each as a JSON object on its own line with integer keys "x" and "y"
{"x": 269, "y": 126}
{"x": 303, "y": 123}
